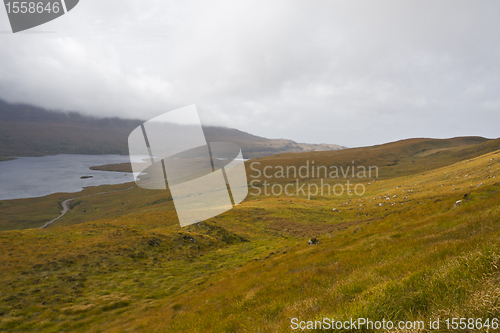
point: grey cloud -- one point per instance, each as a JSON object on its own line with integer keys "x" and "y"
{"x": 347, "y": 72}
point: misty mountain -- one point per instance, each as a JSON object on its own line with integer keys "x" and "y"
{"x": 27, "y": 130}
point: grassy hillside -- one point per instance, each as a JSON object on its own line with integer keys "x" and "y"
{"x": 405, "y": 250}
{"x": 30, "y": 131}
{"x": 398, "y": 158}
{"x": 394, "y": 159}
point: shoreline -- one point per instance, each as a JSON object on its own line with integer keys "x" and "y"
{"x": 64, "y": 193}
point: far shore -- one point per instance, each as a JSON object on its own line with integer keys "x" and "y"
{"x": 3, "y": 158}
{"x": 120, "y": 167}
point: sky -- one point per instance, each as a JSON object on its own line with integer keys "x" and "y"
{"x": 354, "y": 73}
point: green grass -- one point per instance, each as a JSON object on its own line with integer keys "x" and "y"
{"x": 120, "y": 262}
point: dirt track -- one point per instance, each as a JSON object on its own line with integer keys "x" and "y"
{"x": 66, "y": 208}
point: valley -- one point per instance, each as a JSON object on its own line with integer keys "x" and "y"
{"x": 421, "y": 243}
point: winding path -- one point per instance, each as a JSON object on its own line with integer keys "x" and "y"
{"x": 66, "y": 208}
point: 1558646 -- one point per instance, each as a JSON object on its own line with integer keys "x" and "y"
{"x": 24, "y": 7}
{"x": 472, "y": 323}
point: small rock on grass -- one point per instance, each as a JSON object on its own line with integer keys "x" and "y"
{"x": 313, "y": 241}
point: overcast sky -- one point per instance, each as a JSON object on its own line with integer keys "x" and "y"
{"x": 350, "y": 72}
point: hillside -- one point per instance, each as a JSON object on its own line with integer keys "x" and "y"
{"x": 393, "y": 159}
{"x": 31, "y": 131}
{"x": 416, "y": 245}
{"x": 396, "y": 158}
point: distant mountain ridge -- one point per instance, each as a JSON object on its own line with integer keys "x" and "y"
{"x": 27, "y": 130}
